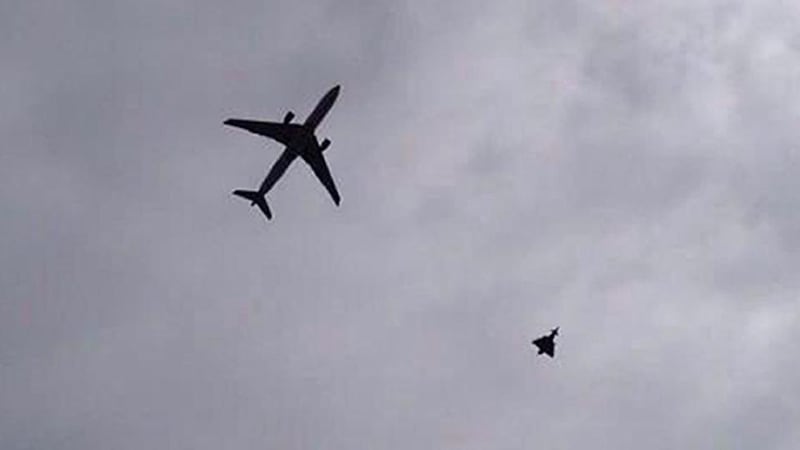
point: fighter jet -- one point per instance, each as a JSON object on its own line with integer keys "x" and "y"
{"x": 300, "y": 140}
{"x": 546, "y": 344}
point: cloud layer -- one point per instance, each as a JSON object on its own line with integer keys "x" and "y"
{"x": 627, "y": 171}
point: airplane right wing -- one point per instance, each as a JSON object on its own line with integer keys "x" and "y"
{"x": 320, "y": 168}
{"x": 281, "y": 132}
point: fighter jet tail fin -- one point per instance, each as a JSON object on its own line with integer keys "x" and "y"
{"x": 256, "y": 198}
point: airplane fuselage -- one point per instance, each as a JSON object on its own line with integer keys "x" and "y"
{"x": 303, "y": 142}
{"x": 322, "y": 108}
{"x": 306, "y": 141}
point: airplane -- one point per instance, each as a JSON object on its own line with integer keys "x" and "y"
{"x": 300, "y": 140}
{"x": 546, "y": 344}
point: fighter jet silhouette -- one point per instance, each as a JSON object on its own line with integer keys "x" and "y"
{"x": 300, "y": 140}
{"x": 546, "y": 344}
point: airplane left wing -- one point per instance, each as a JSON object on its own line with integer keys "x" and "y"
{"x": 320, "y": 168}
{"x": 281, "y": 132}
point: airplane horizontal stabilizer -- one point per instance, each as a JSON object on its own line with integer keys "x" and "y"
{"x": 256, "y": 198}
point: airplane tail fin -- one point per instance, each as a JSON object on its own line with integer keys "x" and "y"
{"x": 256, "y": 198}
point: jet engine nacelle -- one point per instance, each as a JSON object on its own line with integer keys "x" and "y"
{"x": 288, "y": 117}
{"x": 324, "y": 144}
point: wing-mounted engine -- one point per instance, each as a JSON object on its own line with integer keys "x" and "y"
{"x": 287, "y": 119}
{"x": 324, "y": 144}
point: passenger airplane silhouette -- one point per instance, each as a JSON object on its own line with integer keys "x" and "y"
{"x": 300, "y": 140}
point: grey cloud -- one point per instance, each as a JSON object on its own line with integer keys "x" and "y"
{"x": 624, "y": 171}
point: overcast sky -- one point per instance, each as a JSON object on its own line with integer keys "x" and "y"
{"x": 628, "y": 170}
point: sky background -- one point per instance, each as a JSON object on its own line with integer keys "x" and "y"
{"x": 626, "y": 170}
